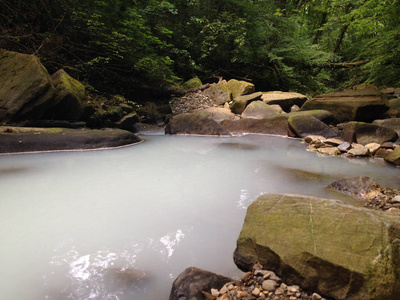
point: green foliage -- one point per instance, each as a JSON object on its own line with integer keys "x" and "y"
{"x": 125, "y": 45}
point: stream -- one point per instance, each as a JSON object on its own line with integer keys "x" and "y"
{"x": 124, "y": 223}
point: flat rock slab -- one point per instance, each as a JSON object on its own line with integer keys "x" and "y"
{"x": 354, "y": 105}
{"x": 284, "y": 99}
{"x": 29, "y": 139}
{"x": 337, "y": 250}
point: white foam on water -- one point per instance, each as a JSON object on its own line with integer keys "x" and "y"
{"x": 124, "y": 223}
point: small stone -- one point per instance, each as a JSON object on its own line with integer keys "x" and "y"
{"x": 223, "y": 297}
{"x": 355, "y": 145}
{"x": 279, "y": 291}
{"x": 313, "y": 138}
{"x": 231, "y": 287}
{"x": 396, "y": 198}
{"x": 223, "y": 290}
{"x": 293, "y": 289}
{"x": 333, "y": 142}
{"x": 315, "y": 296}
{"x": 344, "y": 146}
{"x": 241, "y": 294}
{"x": 359, "y": 151}
{"x": 269, "y": 285}
{"x": 283, "y": 286}
{"x": 332, "y": 151}
{"x": 246, "y": 277}
{"x": 387, "y": 145}
{"x": 293, "y": 298}
{"x": 373, "y": 147}
{"x": 256, "y": 292}
{"x": 214, "y": 292}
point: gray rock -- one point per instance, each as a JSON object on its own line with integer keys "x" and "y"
{"x": 219, "y": 93}
{"x": 365, "y": 133}
{"x": 305, "y": 125}
{"x": 194, "y": 123}
{"x": 259, "y": 110}
{"x": 191, "y": 282}
{"x": 219, "y": 114}
{"x": 269, "y": 285}
{"x": 344, "y": 146}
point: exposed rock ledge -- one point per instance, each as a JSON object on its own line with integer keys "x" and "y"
{"x": 29, "y": 139}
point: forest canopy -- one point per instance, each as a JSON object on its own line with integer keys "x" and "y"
{"x": 122, "y": 46}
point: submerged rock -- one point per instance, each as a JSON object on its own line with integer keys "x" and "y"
{"x": 337, "y": 250}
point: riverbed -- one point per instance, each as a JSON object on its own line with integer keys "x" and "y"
{"x": 124, "y": 223}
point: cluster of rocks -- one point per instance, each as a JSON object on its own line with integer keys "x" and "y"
{"x": 260, "y": 284}
{"x": 369, "y": 191}
{"x": 387, "y": 151}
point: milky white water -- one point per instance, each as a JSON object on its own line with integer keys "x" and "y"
{"x": 124, "y": 223}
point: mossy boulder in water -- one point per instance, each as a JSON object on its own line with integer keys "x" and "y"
{"x": 394, "y": 157}
{"x": 26, "y": 90}
{"x": 337, "y": 250}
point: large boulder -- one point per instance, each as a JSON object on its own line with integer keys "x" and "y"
{"x": 322, "y": 115}
{"x": 393, "y": 123}
{"x": 284, "y": 99}
{"x": 219, "y": 93}
{"x": 190, "y": 284}
{"x": 354, "y": 105}
{"x": 239, "y": 88}
{"x": 239, "y": 103}
{"x": 27, "y": 90}
{"x": 259, "y": 110}
{"x": 25, "y": 139}
{"x": 199, "y": 123}
{"x": 219, "y": 114}
{"x": 365, "y": 133}
{"x": 274, "y": 124}
{"x": 69, "y": 96}
{"x": 305, "y": 125}
{"x": 340, "y": 251}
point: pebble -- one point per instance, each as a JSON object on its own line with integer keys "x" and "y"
{"x": 269, "y": 285}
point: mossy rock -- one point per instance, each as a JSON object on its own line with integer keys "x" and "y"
{"x": 339, "y": 251}
{"x": 239, "y": 88}
{"x": 259, "y": 110}
{"x": 192, "y": 83}
{"x": 240, "y": 103}
{"x": 219, "y": 93}
{"x": 69, "y": 96}
{"x": 394, "y": 157}
{"x": 27, "y": 91}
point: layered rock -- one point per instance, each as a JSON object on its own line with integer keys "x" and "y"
{"x": 340, "y": 251}
{"x": 354, "y": 105}
{"x": 25, "y": 139}
{"x": 286, "y": 100}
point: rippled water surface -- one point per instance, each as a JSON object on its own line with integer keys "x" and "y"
{"x": 123, "y": 223}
